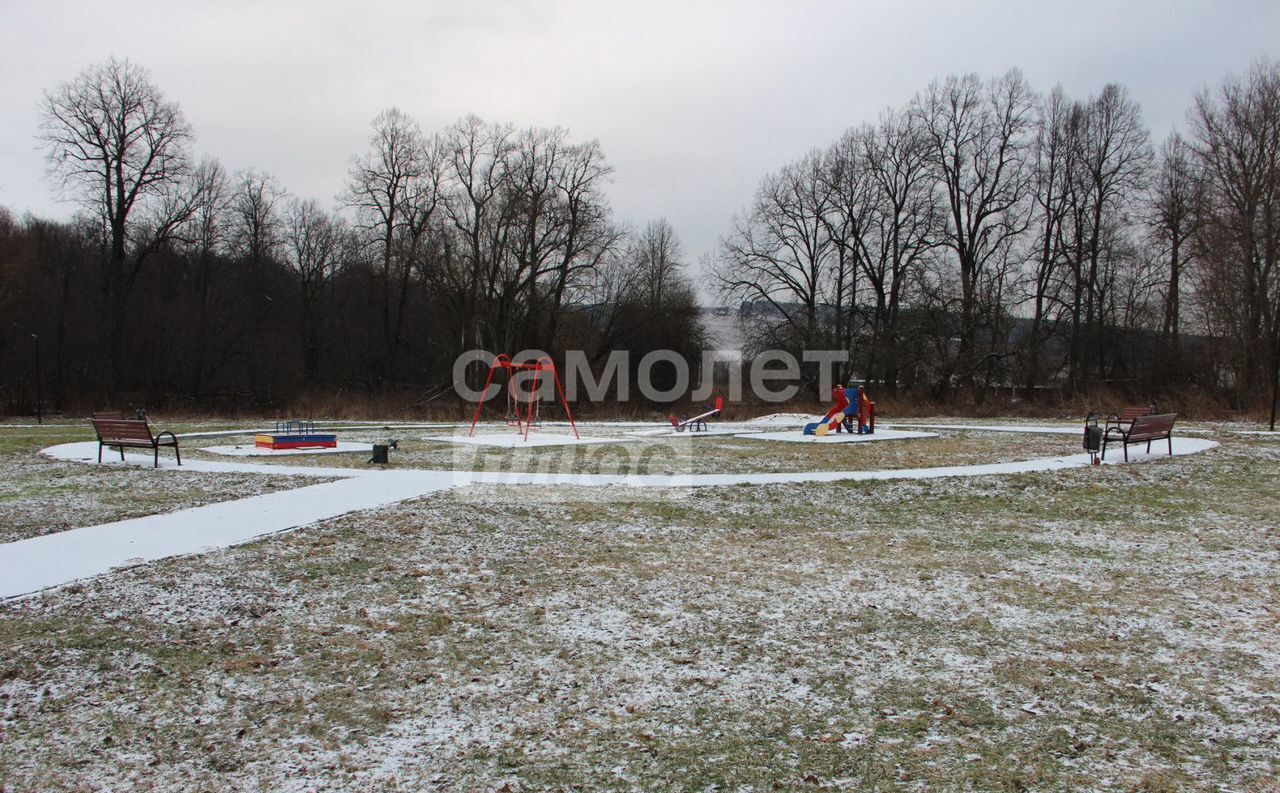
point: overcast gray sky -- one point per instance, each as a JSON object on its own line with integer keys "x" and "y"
{"x": 693, "y": 102}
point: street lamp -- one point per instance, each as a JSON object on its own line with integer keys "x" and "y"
{"x": 1275, "y": 381}
{"x": 35, "y": 342}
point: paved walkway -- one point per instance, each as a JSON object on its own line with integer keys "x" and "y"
{"x": 33, "y": 564}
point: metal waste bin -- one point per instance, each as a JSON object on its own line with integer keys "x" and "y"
{"x": 1092, "y": 435}
{"x": 380, "y": 451}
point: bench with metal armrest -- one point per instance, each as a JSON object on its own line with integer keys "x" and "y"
{"x": 119, "y": 433}
{"x": 1146, "y": 428}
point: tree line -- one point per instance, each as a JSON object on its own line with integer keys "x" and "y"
{"x": 982, "y": 236}
{"x": 179, "y": 281}
{"x": 987, "y": 236}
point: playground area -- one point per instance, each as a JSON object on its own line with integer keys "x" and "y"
{"x": 967, "y": 606}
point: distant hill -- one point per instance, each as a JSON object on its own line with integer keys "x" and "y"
{"x": 724, "y": 333}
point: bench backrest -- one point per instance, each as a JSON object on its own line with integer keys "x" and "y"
{"x": 1158, "y": 424}
{"x": 122, "y": 430}
{"x": 1134, "y": 411}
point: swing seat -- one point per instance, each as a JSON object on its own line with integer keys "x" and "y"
{"x": 513, "y": 420}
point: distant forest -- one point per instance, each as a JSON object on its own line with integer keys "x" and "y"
{"x": 982, "y": 237}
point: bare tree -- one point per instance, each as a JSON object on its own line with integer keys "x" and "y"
{"x": 313, "y": 242}
{"x": 905, "y": 230}
{"x": 62, "y": 254}
{"x": 778, "y": 260}
{"x": 588, "y": 232}
{"x": 1054, "y": 130}
{"x": 654, "y": 303}
{"x": 476, "y": 157}
{"x": 254, "y": 217}
{"x": 1113, "y": 157}
{"x": 555, "y": 221}
{"x": 979, "y": 138}
{"x": 422, "y": 213}
{"x": 1236, "y": 130}
{"x": 657, "y": 260}
{"x": 1174, "y": 200}
{"x": 208, "y": 237}
{"x": 384, "y": 186}
{"x": 852, "y": 205}
{"x": 528, "y": 223}
{"x": 111, "y": 136}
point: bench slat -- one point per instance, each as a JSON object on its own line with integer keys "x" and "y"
{"x": 1145, "y": 425}
{"x": 1131, "y": 413}
{"x": 123, "y": 429}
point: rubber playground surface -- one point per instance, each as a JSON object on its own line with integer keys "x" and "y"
{"x": 881, "y": 434}
{"x": 514, "y": 440}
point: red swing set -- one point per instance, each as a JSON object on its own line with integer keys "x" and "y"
{"x": 524, "y": 416}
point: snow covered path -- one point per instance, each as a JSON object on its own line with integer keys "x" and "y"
{"x": 49, "y": 560}
{"x": 1034, "y": 429}
{"x": 29, "y": 565}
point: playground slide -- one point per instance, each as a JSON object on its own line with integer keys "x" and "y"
{"x": 849, "y": 407}
{"x": 836, "y": 414}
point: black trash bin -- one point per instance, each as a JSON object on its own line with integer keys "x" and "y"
{"x": 1093, "y": 438}
{"x": 1092, "y": 435}
{"x": 380, "y": 451}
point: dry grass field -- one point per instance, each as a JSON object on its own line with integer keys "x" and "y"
{"x": 1089, "y": 629}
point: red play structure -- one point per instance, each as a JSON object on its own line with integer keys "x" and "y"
{"x": 850, "y": 403}
{"x": 525, "y": 415}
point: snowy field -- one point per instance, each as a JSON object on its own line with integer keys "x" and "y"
{"x": 1079, "y": 628}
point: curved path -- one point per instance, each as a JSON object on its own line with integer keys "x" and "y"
{"x": 30, "y": 565}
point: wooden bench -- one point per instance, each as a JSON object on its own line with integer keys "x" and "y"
{"x": 133, "y": 433}
{"x": 1143, "y": 428}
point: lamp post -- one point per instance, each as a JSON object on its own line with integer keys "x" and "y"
{"x": 1275, "y": 380}
{"x": 35, "y": 342}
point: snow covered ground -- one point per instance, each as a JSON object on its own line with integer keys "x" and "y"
{"x": 37, "y": 563}
{"x": 1035, "y": 429}
{"x": 988, "y": 626}
{"x": 996, "y": 632}
{"x": 670, "y": 432}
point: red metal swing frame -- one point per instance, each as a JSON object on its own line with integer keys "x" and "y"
{"x": 524, "y": 422}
